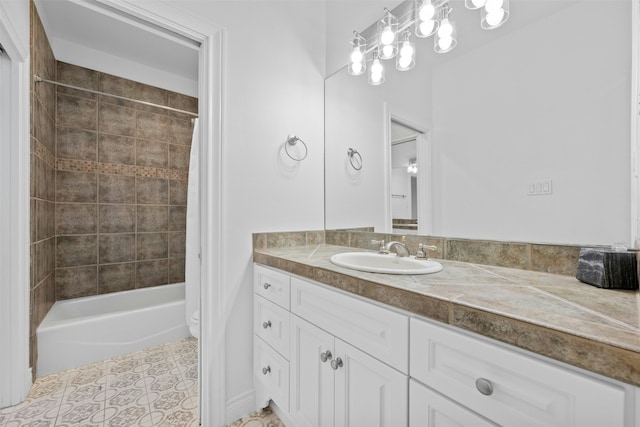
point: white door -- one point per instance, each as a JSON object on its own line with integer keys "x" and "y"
{"x": 429, "y": 409}
{"x": 368, "y": 392}
{"x": 312, "y": 379}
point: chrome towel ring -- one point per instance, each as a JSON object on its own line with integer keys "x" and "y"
{"x": 293, "y": 140}
{"x": 355, "y": 159}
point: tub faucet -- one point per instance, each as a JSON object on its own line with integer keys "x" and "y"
{"x": 401, "y": 249}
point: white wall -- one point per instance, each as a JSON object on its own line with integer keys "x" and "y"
{"x": 518, "y": 120}
{"x": 273, "y": 87}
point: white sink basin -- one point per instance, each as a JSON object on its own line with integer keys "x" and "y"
{"x": 385, "y": 263}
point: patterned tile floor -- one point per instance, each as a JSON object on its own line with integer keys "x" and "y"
{"x": 157, "y": 386}
{"x": 266, "y": 418}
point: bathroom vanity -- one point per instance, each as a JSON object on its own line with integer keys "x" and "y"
{"x": 472, "y": 345}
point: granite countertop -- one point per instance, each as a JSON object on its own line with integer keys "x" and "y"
{"x": 552, "y": 315}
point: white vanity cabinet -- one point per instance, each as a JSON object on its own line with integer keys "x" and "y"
{"x": 347, "y": 360}
{"x": 328, "y": 358}
{"x": 504, "y": 386}
{"x": 334, "y": 383}
{"x": 271, "y": 337}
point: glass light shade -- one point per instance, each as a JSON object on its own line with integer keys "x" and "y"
{"x": 425, "y": 10}
{"x": 445, "y": 39}
{"x": 425, "y": 18}
{"x": 474, "y": 4}
{"x": 426, "y": 28}
{"x": 358, "y": 56}
{"x": 412, "y": 168}
{"x": 376, "y": 72}
{"x": 387, "y": 36}
{"x": 406, "y": 58}
{"x": 494, "y": 14}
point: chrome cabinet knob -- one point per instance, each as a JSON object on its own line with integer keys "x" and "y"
{"x": 335, "y": 364}
{"x": 266, "y": 324}
{"x": 325, "y": 356}
{"x": 266, "y": 370}
{"x": 266, "y": 285}
{"x": 484, "y": 386}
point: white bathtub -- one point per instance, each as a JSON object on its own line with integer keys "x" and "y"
{"x": 80, "y": 331}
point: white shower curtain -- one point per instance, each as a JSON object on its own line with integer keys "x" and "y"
{"x": 192, "y": 255}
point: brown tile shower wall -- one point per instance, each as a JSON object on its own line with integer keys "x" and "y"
{"x": 42, "y": 192}
{"x": 121, "y": 185}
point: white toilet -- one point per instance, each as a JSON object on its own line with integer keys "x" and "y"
{"x": 194, "y": 324}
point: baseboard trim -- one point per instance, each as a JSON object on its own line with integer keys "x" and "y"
{"x": 240, "y": 406}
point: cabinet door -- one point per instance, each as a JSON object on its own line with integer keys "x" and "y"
{"x": 429, "y": 409}
{"x": 312, "y": 380}
{"x": 368, "y": 392}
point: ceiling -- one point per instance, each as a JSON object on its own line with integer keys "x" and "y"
{"x": 89, "y": 26}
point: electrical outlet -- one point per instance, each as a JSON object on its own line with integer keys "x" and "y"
{"x": 540, "y": 188}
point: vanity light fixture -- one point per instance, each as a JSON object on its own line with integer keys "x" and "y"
{"x": 376, "y": 71}
{"x": 390, "y": 36}
{"x": 412, "y": 168}
{"x": 445, "y": 38}
{"x": 406, "y": 58}
{"x": 358, "y": 62}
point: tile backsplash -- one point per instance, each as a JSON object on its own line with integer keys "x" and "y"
{"x": 558, "y": 259}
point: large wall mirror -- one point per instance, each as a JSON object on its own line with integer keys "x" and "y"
{"x": 541, "y": 103}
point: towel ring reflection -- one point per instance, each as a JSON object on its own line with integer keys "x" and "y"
{"x": 293, "y": 140}
{"x": 353, "y": 154}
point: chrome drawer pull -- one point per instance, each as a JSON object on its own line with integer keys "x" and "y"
{"x": 266, "y": 285}
{"x": 266, "y": 370}
{"x": 266, "y": 324}
{"x": 335, "y": 364}
{"x": 325, "y": 356}
{"x": 484, "y": 386}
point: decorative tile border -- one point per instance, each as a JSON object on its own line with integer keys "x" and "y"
{"x": 44, "y": 153}
{"x": 73, "y": 165}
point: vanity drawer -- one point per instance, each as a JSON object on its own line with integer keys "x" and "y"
{"x": 271, "y": 285}
{"x": 382, "y": 333}
{"x": 271, "y": 375}
{"x": 518, "y": 389}
{"x": 430, "y": 409}
{"x": 271, "y": 323}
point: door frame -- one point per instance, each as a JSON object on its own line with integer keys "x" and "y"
{"x": 425, "y": 179}
{"x": 14, "y": 247}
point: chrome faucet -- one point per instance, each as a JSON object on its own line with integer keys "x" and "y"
{"x": 401, "y": 249}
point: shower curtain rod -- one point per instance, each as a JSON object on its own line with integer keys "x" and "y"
{"x": 39, "y": 79}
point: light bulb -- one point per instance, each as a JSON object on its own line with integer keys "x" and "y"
{"x": 426, "y": 27}
{"x": 445, "y": 43}
{"x": 493, "y": 5}
{"x": 376, "y": 77}
{"x": 387, "y": 35}
{"x": 426, "y": 12}
{"x": 407, "y": 49}
{"x": 404, "y": 61}
{"x": 387, "y": 51}
{"x": 495, "y": 17}
{"x": 376, "y": 67}
{"x": 356, "y": 67}
{"x": 446, "y": 29}
{"x": 478, "y": 3}
{"x": 356, "y": 55}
